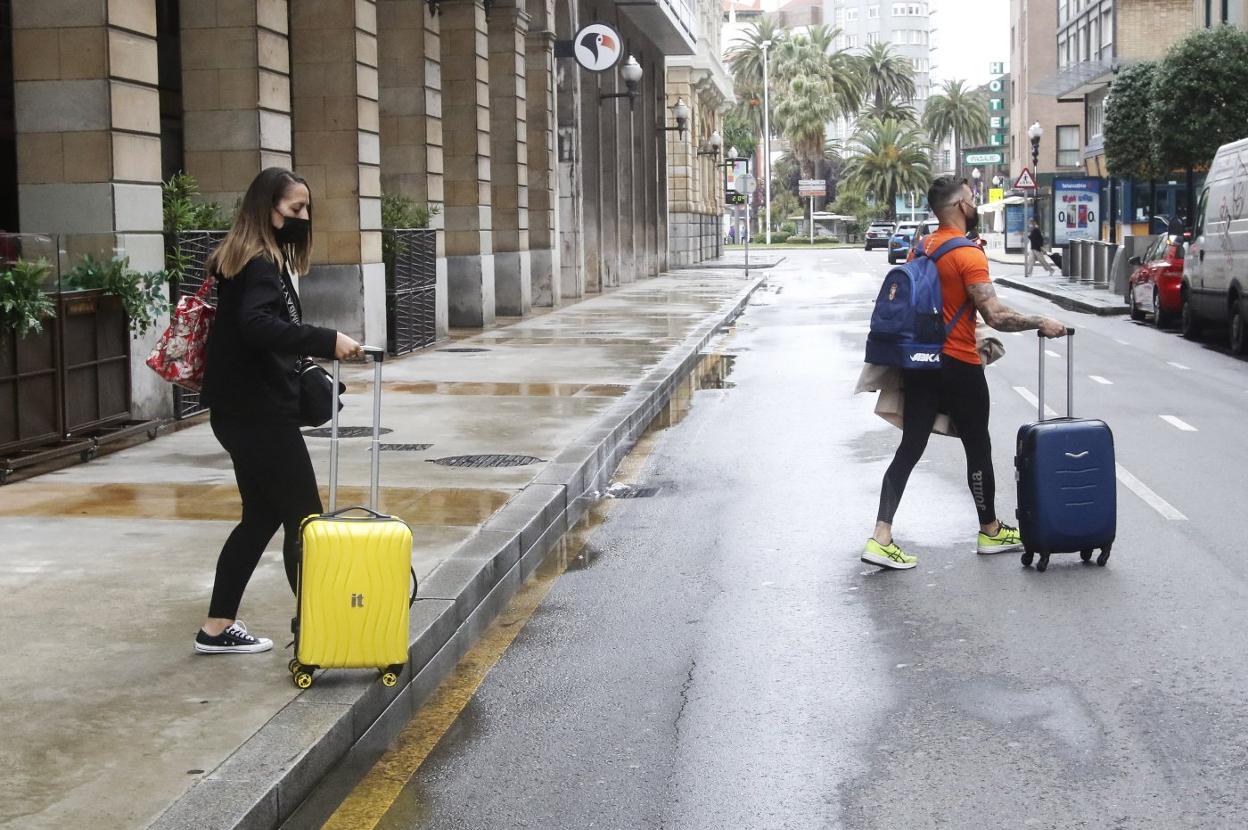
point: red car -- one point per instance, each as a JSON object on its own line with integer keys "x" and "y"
{"x": 1156, "y": 281}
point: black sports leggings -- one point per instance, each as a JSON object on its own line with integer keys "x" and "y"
{"x": 278, "y": 487}
{"x": 961, "y": 390}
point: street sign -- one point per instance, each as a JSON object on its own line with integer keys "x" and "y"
{"x": 985, "y": 158}
{"x": 746, "y": 184}
{"x": 812, "y": 187}
{"x": 1025, "y": 181}
{"x": 597, "y": 47}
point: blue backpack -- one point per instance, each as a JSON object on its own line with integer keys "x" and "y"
{"x": 907, "y": 325}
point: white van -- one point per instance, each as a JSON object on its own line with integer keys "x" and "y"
{"x": 1215, "y": 270}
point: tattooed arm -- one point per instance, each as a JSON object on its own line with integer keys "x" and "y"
{"x": 1003, "y": 318}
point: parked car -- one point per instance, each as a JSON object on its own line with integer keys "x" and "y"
{"x": 1156, "y": 281}
{"x": 1213, "y": 289}
{"x": 877, "y": 235}
{"x": 900, "y": 240}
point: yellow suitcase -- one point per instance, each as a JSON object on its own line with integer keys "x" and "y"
{"x": 355, "y": 563}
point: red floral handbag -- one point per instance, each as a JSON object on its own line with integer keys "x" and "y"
{"x": 179, "y": 356}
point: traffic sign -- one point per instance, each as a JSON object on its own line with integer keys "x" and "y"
{"x": 812, "y": 187}
{"x": 1025, "y": 181}
{"x": 746, "y": 184}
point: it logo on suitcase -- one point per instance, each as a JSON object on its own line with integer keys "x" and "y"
{"x": 357, "y": 600}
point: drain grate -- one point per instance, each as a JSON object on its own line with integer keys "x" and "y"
{"x": 345, "y": 432}
{"x": 403, "y": 447}
{"x": 463, "y": 350}
{"x": 628, "y": 491}
{"x": 480, "y": 461}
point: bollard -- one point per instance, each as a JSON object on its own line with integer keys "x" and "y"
{"x": 1076, "y": 259}
{"x": 1100, "y": 264}
{"x": 1086, "y": 264}
{"x": 1105, "y": 280}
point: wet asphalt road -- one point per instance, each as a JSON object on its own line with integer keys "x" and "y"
{"x": 727, "y": 662}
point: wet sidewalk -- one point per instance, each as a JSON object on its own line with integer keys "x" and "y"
{"x": 1074, "y": 296}
{"x": 495, "y": 444}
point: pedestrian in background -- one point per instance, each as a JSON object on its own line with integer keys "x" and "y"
{"x": 252, "y": 387}
{"x": 958, "y": 387}
{"x": 1035, "y": 250}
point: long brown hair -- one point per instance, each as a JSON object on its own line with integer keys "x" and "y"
{"x": 252, "y": 234}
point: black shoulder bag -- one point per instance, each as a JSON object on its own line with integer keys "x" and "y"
{"x": 316, "y": 388}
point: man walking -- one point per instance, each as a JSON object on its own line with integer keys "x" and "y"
{"x": 1035, "y": 250}
{"x": 958, "y": 386}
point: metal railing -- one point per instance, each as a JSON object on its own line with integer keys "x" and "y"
{"x": 410, "y": 256}
{"x": 193, "y": 247}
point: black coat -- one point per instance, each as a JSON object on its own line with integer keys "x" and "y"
{"x": 253, "y": 347}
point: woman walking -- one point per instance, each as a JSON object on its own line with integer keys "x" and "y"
{"x": 252, "y": 386}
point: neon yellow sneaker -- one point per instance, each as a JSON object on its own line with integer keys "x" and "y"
{"x": 887, "y": 556}
{"x": 1007, "y": 539}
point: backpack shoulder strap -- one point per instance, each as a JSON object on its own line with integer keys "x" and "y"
{"x": 956, "y": 242}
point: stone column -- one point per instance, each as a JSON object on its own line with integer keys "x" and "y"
{"x": 626, "y": 169}
{"x": 466, "y": 137}
{"x": 509, "y": 159}
{"x": 650, "y": 137}
{"x": 544, "y": 260}
{"x": 410, "y": 89}
{"x": 88, "y": 141}
{"x": 663, "y": 116}
{"x": 683, "y": 244}
{"x": 235, "y": 93}
{"x": 608, "y": 158}
{"x": 589, "y": 162}
{"x": 338, "y": 150}
{"x": 571, "y": 213}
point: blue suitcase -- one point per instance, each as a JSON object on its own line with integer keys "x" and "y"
{"x": 1067, "y": 489}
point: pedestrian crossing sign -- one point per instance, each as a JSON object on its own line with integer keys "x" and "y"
{"x": 1025, "y": 181}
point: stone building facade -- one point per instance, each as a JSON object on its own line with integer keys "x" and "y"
{"x": 549, "y": 181}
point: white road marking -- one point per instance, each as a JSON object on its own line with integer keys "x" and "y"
{"x": 1178, "y": 423}
{"x": 1051, "y": 353}
{"x": 1165, "y": 508}
{"x": 1121, "y": 342}
{"x": 1101, "y": 380}
{"x": 1179, "y": 366}
{"x": 1026, "y": 394}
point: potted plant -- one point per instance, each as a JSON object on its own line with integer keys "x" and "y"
{"x": 100, "y": 304}
{"x": 29, "y": 388}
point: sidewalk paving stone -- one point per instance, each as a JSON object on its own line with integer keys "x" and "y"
{"x": 107, "y": 567}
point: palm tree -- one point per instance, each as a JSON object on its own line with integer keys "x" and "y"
{"x": 745, "y": 58}
{"x": 813, "y": 88}
{"x": 888, "y": 158}
{"x": 958, "y": 112}
{"x": 892, "y": 111}
{"x": 888, "y": 76}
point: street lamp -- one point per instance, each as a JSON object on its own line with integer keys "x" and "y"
{"x": 976, "y": 174}
{"x": 765, "y": 46}
{"x": 631, "y": 73}
{"x": 731, "y": 161}
{"x": 1035, "y": 132}
{"x": 680, "y": 111}
{"x": 714, "y": 143}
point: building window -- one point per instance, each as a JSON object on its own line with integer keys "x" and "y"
{"x": 873, "y": 12}
{"x": 1063, "y": 56}
{"x": 915, "y": 36}
{"x": 851, "y": 41}
{"x": 899, "y": 10}
{"x": 851, "y": 15}
{"x": 1096, "y": 119}
{"x": 1068, "y": 149}
{"x": 945, "y": 157}
{"x": 899, "y": 37}
{"x": 873, "y": 38}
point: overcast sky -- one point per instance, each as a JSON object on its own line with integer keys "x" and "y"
{"x": 970, "y": 34}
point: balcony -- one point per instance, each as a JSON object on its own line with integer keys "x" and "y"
{"x": 671, "y": 24}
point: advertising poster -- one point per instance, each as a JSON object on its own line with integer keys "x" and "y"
{"x": 1076, "y": 210}
{"x": 1014, "y": 234}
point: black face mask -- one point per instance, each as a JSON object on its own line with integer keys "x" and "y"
{"x": 295, "y": 231}
{"x": 972, "y": 222}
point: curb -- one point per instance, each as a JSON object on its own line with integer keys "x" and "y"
{"x": 1064, "y": 300}
{"x": 264, "y": 781}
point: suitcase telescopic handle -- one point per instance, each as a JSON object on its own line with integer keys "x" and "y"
{"x": 377, "y": 356}
{"x": 1070, "y": 374}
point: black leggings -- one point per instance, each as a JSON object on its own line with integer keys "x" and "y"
{"x": 961, "y": 390}
{"x": 278, "y": 488}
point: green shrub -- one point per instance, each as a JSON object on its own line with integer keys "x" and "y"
{"x": 779, "y": 237}
{"x": 23, "y": 303}
{"x": 789, "y": 228}
{"x": 144, "y": 296}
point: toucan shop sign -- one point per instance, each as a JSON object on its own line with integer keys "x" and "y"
{"x": 596, "y": 47}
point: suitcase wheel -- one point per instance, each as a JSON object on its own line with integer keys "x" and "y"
{"x": 294, "y": 666}
{"x": 1043, "y": 564}
{"x": 1104, "y": 557}
{"x": 1027, "y": 557}
{"x": 303, "y": 679}
{"x": 389, "y": 679}
{"x": 1085, "y": 555}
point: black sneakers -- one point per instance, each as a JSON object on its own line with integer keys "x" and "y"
{"x": 234, "y": 640}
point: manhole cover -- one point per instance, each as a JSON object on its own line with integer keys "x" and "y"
{"x": 344, "y": 432}
{"x": 404, "y": 447}
{"x": 486, "y": 460}
{"x": 463, "y": 350}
